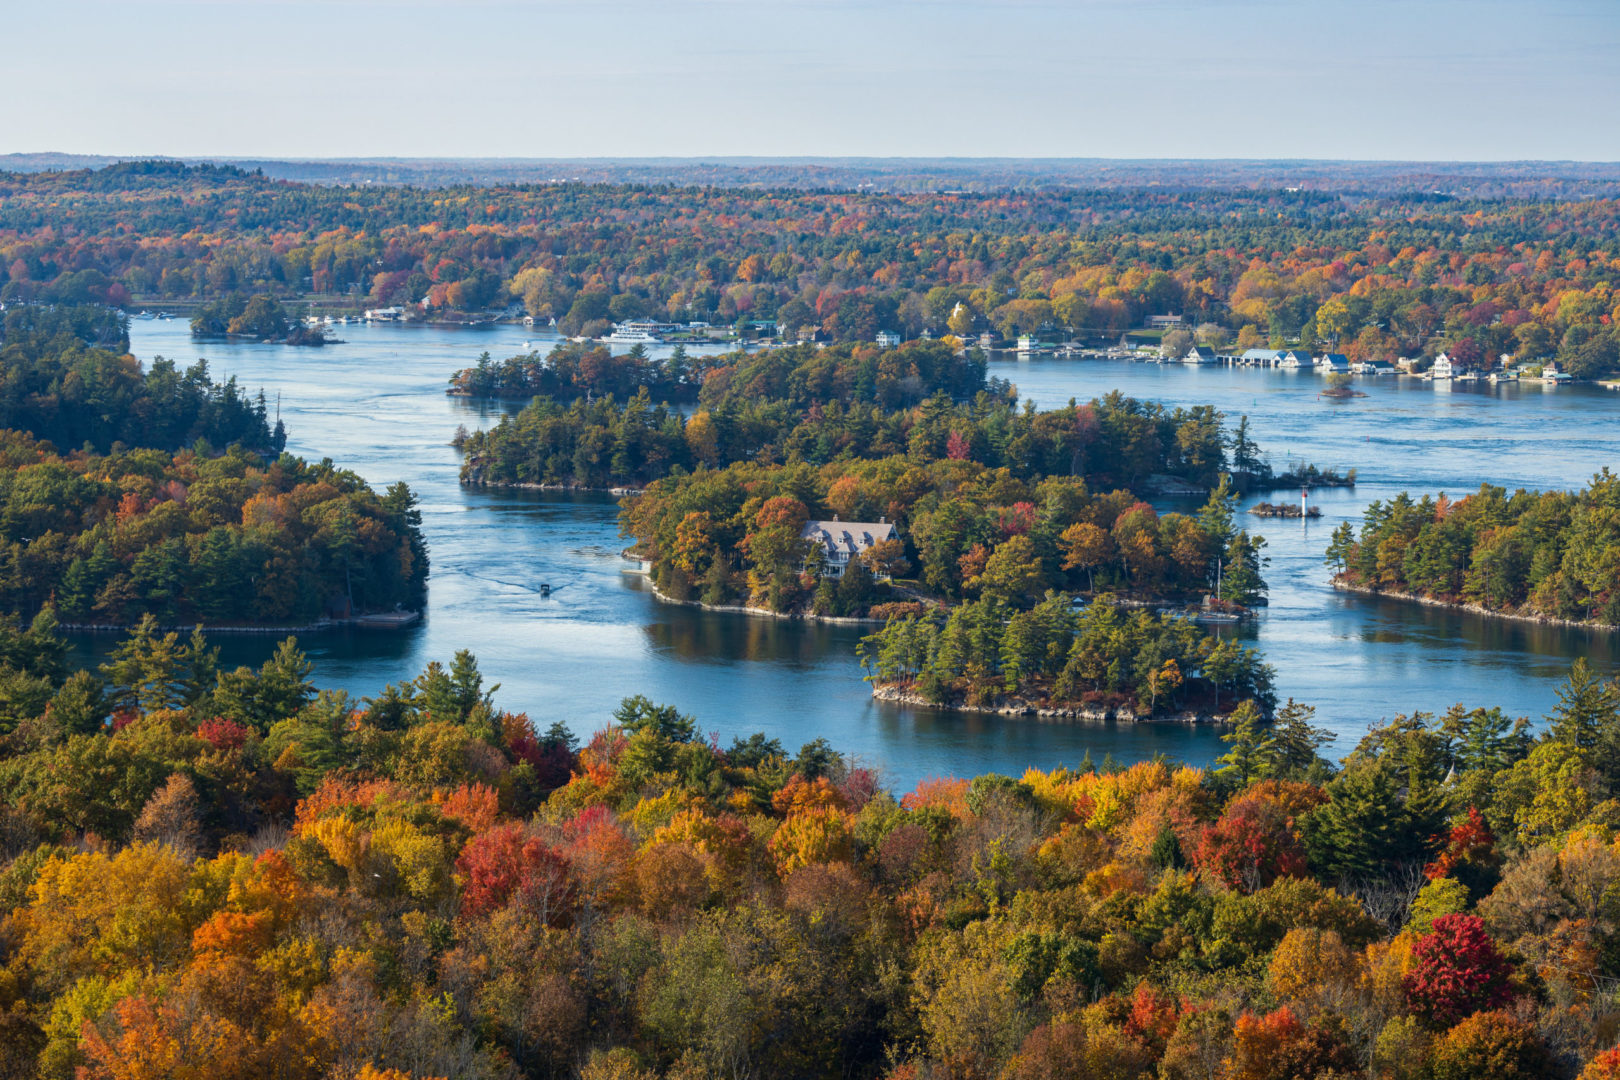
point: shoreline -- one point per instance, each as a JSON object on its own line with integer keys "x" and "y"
{"x": 1471, "y": 609}
{"x": 744, "y": 609}
{"x": 522, "y": 485}
{"x": 388, "y": 620}
{"x": 901, "y": 695}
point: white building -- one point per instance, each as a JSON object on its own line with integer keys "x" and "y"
{"x": 1443, "y": 368}
{"x": 1295, "y": 358}
{"x": 841, "y": 542}
{"x": 1332, "y": 362}
{"x": 887, "y": 339}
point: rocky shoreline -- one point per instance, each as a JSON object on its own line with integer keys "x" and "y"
{"x": 1472, "y": 609}
{"x": 517, "y": 485}
{"x": 902, "y": 695}
{"x": 744, "y": 609}
{"x": 387, "y": 620}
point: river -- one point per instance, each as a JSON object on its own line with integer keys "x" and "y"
{"x": 376, "y": 404}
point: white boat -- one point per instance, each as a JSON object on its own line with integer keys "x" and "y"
{"x": 629, "y": 337}
{"x": 1467, "y": 376}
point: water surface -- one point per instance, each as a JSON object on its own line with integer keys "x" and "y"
{"x": 376, "y": 405}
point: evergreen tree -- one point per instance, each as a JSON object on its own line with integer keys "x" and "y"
{"x": 1587, "y": 709}
{"x": 1250, "y": 745}
{"x": 1292, "y": 754}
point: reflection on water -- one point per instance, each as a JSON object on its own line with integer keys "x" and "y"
{"x": 377, "y": 405}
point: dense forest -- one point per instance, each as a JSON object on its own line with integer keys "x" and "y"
{"x": 230, "y": 874}
{"x": 966, "y": 531}
{"x": 128, "y": 491}
{"x": 1540, "y": 554}
{"x": 66, "y": 377}
{"x": 235, "y": 538}
{"x": 1374, "y": 275}
{"x": 812, "y": 405}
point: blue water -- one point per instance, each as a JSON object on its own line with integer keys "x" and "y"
{"x": 376, "y": 404}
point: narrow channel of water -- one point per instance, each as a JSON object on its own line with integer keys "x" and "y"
{"x": 376, "y": 404}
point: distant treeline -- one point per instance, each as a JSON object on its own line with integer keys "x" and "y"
{"x": 1401, "y": 273}
{"x": 1551, "y": 554}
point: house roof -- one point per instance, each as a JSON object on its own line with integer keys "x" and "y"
{"x": 1261, "y": 354}
{"x": 1335, "y": 358}
{"x": 849, "y": 537}
{"x": 1201, "y": 350}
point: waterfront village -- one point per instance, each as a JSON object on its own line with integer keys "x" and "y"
{"x": 1163, "y": 339}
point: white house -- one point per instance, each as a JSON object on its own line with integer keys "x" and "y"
{"x": 1373, "y": 367}
{"x": 1199, "y": 354}
{"x": 841, "y": 542}
{"x": 1443, "y": 368}
{"x": 888, "y": 339}
{"x": 1295, "y": 358}
{"x": 1332, "y": 362}
{"x": 1028, "y": 343}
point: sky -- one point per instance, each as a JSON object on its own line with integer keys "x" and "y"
{"x": 1342, "y": 79}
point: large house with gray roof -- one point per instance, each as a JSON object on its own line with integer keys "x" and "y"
{"x": 841, "y": 542}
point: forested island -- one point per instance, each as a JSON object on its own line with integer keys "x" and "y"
{"x": 1375, "y": 276}
{"x": 257, "y": 318}
{"x": 1547, "y": 556}
{"x": 128, "y": 492}
{"x": 235, "y": 874}
{"x": 1056, "y": 659}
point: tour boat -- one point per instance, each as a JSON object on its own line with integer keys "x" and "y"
{"x": 622, "y": 336}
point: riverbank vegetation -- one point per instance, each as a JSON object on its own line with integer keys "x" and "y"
{"x": 1056, "y": 656}
{"x": 69, "y": 379}
{"x": 1372, "y": 277}
{"x": 234, "y": 539}
{"x": 1535, "y": 554}
{"x": 966, "y": 531}
{"x": 236, "y": 875}
{"x": 173, "y": 498}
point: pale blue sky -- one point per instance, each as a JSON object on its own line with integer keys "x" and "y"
{"x": 1417, "y": 79}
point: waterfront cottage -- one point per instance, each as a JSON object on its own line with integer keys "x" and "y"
{"x": 1332, "y": 362}
{"x": 1294, "y": 358}
{"x": 1442, "y": 368}
{"x": 1199, "y": 354}
{"x": 1373, "y": 367}
{"x": 841, "y": 542}
{"x": 1260, "y": 357}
